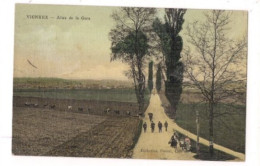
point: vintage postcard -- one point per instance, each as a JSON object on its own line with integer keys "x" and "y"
{"x": 129, "y": 82}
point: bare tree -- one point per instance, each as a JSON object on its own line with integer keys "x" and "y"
{"x": 214, "y": 63}
{"x": 131, "y": 43}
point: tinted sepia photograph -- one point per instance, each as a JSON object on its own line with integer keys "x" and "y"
{"x": 129, "y": 82}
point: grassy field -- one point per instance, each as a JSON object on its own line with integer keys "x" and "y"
{"x": 229, "y": 130}
{"x": 205, "y": 155}
{"x": 57, "y": 88}
{"x": 120, "y": 95}
{"x": 59, "y": 83}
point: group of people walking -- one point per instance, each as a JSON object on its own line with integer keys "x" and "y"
{"x": 152, "y": 125}
{"x": 184, "y": 142}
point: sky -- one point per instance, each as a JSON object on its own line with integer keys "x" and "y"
{"x": 78, "y": 49}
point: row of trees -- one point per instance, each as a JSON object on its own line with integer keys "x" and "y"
{"x": 138, "y": 36}
{"x": 209, "y": 60}
{"x": 171, "y": 44}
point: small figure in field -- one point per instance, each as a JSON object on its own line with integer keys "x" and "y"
{"x": 160, "y": 126}
{"x": 152, "y": 126}
{"x": 145, "y": 126}
{"x": 165, "y": 125}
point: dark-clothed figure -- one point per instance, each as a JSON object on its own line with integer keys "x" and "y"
{"x": 173, "y": 142}
{"x": 165, "y": 125}
{"x": 160, "y": 126}
{"x": 152, "y": 126}
{"x": 150, "y": 116}
{"x": 145, "y": 126}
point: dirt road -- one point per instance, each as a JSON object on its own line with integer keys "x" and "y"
{"x": 155, "y": 145}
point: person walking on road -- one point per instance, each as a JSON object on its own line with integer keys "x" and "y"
{"x": 152, "y": 126}
{"x": 160, "y": 126}
{"x": 150, "y": 116}
{"x": 173, "y": 142}
{"x": 145, "y": 126}
{"x": 165, "y": 125}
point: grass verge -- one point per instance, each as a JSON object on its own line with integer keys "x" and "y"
{"x": 137, "y": 134}
{"x": 229, "y": 129}
{"x": 205, "y": 155}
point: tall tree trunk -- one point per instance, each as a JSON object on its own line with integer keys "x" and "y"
{"x": 211, "y": 134}
{"x": 141, "y": 86}
{"x": 136, "y": 84}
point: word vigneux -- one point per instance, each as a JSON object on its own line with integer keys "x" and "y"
{"x": 58, "y": 17}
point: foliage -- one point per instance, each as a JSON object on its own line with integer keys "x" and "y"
{"x": 150, "y": 76}
{"x": 159, "y": 78}
{"x": 125, "y": 50}
{"x": 131, "y": 43}
{"x": 171, "y": 47}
